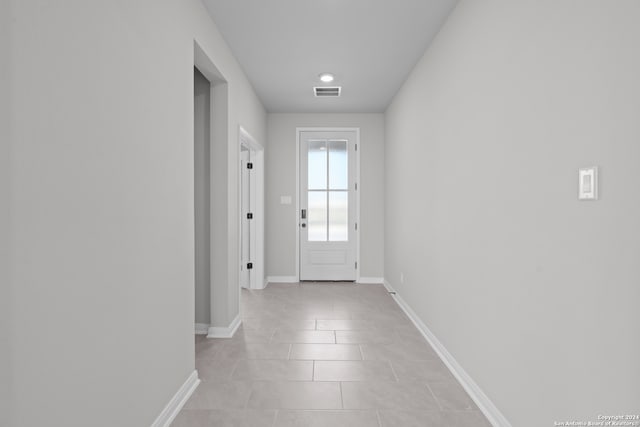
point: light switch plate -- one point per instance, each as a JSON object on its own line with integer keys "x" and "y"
{"x": 588, "y": 183}
{"x": 285, "y": 200}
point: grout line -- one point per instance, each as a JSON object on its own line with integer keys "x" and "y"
{"x": 434, "y": 396}
{"x": 233, "y": 370}
{"x": 246, "y": 402}
{"x": 289, "y": 352}
{"x": 313, "y": 371}
{"x": 361, "y": 352}
{"x": 393, "y": 370}
{"x": 275, "y": 418}
{"x": 379, "y": 418}
{"x": 341, "y": 395}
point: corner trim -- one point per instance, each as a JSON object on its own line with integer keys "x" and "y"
{"x": 493, "y": 414}
{"x": 282, "y": 279}
{"x": 225, "y": 332}
{"x": 170, "y": 412}
{"x": 201, "y": 328}
{"x": 371, "y": 280}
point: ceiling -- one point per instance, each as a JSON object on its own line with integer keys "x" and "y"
{"x": 369, "y": 45}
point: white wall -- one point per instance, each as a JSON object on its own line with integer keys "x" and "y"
{"x": 103, "y": 203}
{"x": 202, "y": 136}
{"x": 533, "y": 292}
{"x": 5, "y": 296}
{"x": 281, "y": 181}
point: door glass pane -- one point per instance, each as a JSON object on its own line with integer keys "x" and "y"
{"x": 317, "y": 166}
{"x": 338, "y": 169}
{"x": 317, "y": 216}
{"x": 338, "y": 216}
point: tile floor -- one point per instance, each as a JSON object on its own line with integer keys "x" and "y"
{"x": 324, "y": 354}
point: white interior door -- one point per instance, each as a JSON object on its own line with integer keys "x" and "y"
{"x": 245, "y": 210}
{"x": 328, "y": 240}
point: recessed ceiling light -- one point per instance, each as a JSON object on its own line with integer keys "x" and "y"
{"x": 326, "y": 77}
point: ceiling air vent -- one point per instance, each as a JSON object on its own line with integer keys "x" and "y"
{"x": 327, "y": 91}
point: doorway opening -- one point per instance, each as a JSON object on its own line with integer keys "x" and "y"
{"x": 202, "y": 199}
{"x": 215, "y": 307}
{"x": 328, "y": 204}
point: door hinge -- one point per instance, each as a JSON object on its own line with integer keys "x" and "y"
{"x": 356, "y": 186}
{"x": 356, "y": 265}
{"x": 356, "y": 147}
{"x": 249, "y": 266}
{"x": 356, "y": 226}
{"x": 249, "y": 215}
{"x": 249, "y": 165}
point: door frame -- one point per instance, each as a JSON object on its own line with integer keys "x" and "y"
{"x": 299, "y": 131}
{"x": 218, "y": 142}
{"x": 256, "y": 150}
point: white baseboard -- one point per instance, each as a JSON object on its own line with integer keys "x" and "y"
{"x": 225, "y": 332}
{"x": 282, "y": 279}
{"x": 370, "y": 280}
{"x": 294, "y": 279}
{"x": 260, "y": 285}
{"x": 202, "y": 328}
{"x": 493, "y": 414}
{"x": 174, "y": 406}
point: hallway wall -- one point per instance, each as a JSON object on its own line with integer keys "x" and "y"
{"x": 534, "y": 293}
{"x": 5, "y": 236}
{"x": 103, "y": 205}
{"x": 281, "y": 181}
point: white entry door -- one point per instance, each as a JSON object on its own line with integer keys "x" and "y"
{"x": 327, "y": 217}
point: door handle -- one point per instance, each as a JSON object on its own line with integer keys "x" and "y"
{"x": 303, "y": 214}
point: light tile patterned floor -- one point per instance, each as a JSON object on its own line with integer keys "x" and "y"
{"x": 324, "y": 354}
